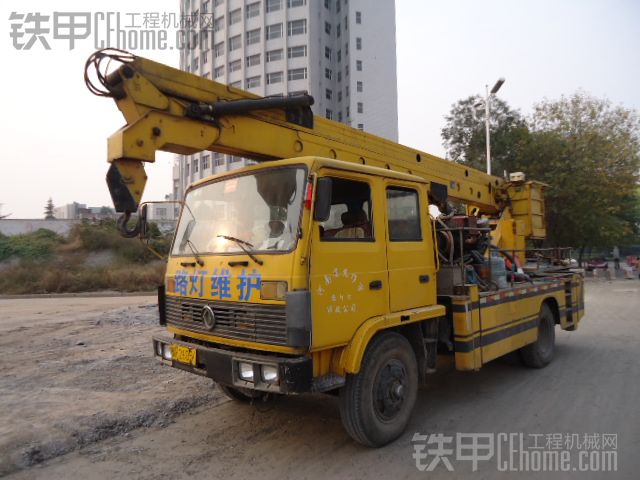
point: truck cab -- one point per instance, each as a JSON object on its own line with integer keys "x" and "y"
{"x": 280, "y": 274}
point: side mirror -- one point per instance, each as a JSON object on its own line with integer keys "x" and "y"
{"x": 322, "y": 207}
{"x": 142, "y": 221}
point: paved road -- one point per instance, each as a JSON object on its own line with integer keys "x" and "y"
{"x": 592, "y": 387}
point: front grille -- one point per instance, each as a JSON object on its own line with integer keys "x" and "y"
{"x": 242, "y": 321}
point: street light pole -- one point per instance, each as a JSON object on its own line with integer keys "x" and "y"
{"x": 487, "y": 112}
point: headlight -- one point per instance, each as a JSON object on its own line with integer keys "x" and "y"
{"x": 273, "y": 290}
{"x": 166, "y": 352}
{"x": 245, "y": 371}
{"x": 269, "y": 373}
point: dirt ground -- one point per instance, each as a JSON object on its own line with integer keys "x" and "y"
{"x": 82, "y": 397}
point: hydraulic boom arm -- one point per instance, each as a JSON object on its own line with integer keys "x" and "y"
{"x": 174, "y": 111}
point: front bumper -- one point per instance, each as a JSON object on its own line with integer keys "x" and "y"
{"x": 295, "y": 374}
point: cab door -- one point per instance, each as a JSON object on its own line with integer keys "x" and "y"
{"x": 410, "y": 254}
{"x": 348, "y": 271}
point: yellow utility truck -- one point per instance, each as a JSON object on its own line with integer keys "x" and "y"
{"x": 340, "y": 262}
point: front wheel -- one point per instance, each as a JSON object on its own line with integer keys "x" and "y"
{"x": 244, "y": 395}
{"x": 540, "y": 353}
{"x": 376, "y": 403}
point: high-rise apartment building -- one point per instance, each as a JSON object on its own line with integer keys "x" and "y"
{"x": 342, "y": 52}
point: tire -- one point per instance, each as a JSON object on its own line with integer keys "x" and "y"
{"x": 540, "y": 353}
{"x": 376, "y": 403}
{"x": 243, "y": 395}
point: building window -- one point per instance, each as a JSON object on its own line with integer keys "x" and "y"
{"x": 218, "y": 49}
{"x": 340, "y": 95}
{"x": 337, "y": 5}
{"x": 275, "y": 77}
{"x": 274, "y": 55}
{"x": 218, "y": 24}
{"x": 346, "y": 70}
{"x": 346, "y": 23}
{"x": 205, "y": 57}
{"x": 339, "y": 75}
{"x": 358, "y": 43}
{"x": 205, "y": 6}
{"x": 329, "y": 114}
{"x": 234, "y": 159}
{"x": 348, "y": 112}
{"x": 346, "y": 49}
{"x": 253, "y": 60}
{"x": 186, "y": 169}
{"x": 358, "y": 18}
{"x": 338, "y": 30}
{"x": 339, "y": 55}
{"x": 235, "y": 43}
{"x": 326, "y": 5}
{"x": 253, "y": 82}
{"x": 253, "y": 36}
{"x": 359, "y": 65}
{"x": 252, "y": 10}
{"x": 217, "y": 3}
{"x": 327, "y": 73}
{"x": 235, "y": 16}
{"x": 235, "y": 66}
{"x": 195, "y": 65}
{"x": 339, "y": 116}
{"x": 346, "y": 91}
{"x": 360, "y": 107}
{"x": 328, "y": 94}
{"x": 361, "y": 126}
{"x": 297, "y": 27}
{"x": 196, "y": 165}
{"x": 274, "y": 31}
{"x": 218, "y": 72}
{"x": 298, "y": 51}
{"x": 274, "y": 5}
{"x": 327, "y": 53}
{"x": 297, "y": 74}
{"x": 327, "y": 28}
{"x": 218, "y": 159}
{"x": 296, "y": 3}
{"x": 236, "y": 84}
{"x": 359, "y": 86}
{"x": 205, "y": 162}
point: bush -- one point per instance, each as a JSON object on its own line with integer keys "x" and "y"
{"x": 38, "y": 245}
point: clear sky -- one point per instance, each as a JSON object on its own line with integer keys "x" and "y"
{"x": 53, "y": 131}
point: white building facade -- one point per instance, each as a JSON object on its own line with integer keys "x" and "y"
{"x": 342, "y": 52}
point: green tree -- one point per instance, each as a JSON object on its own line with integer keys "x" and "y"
{"x": 48, "y": 210}
{"x": 588, "y": 151}
{"x": 464, "y": 135}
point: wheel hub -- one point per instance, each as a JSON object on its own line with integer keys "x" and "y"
{"x": 389, "y": 390}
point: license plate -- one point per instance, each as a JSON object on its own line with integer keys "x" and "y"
{"x": 183, "y": 354}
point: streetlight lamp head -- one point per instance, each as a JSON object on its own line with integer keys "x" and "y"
{"x": 497, "y": 86}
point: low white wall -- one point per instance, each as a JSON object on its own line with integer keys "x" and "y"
{"x": 17, "y": 226}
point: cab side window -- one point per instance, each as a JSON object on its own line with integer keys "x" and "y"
{"x": 350, "y": 215}
{"x": 403, "y": 211}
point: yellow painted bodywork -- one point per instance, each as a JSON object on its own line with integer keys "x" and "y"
{"x": 346, "y": 314}
{"x": 493, "y": 325}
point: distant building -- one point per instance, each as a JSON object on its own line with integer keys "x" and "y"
{"x": 80, "y": 211}
{"x": 342, "y": 52}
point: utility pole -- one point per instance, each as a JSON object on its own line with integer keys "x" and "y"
{"x": 487, "y": 112}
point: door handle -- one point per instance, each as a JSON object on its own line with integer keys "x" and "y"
{"x": 424, "y": 278}
{"x": 375, "y": 285}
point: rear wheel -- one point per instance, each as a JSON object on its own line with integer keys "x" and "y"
{"x": 376, "y": 403}
{"x": 244, "y": 395}
{"x": 540, "y": 353}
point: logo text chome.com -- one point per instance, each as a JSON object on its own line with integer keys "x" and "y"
{"x": 518, "y": 452}
{"x": 126, "y": 31}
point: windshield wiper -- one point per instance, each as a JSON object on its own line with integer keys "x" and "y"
{"x": 195, "y": 252}
{"x": 241, "y": 244}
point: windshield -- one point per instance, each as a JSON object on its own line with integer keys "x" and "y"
{"x": 258, "y": 211}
